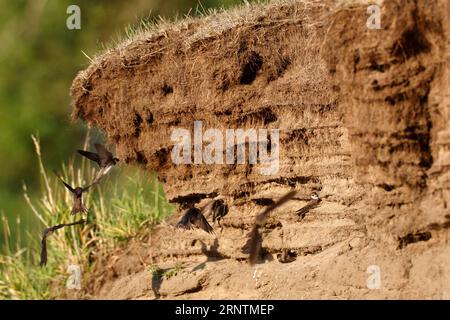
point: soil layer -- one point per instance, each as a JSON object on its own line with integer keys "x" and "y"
{"x": 364, "y": 121}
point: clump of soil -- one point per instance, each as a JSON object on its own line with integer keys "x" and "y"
{"x": 364, "y": 121}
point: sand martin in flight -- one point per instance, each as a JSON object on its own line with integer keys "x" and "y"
{"x": 103, "y": 158}
{"x": 77, "y": 193}
{"x": 253, "y": 245}
{"x": 194, "y": 217}
{"x": 48, "y": 232}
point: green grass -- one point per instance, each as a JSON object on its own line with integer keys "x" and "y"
{"x": 125, "y": 204}
{"x": 158, "y": 273}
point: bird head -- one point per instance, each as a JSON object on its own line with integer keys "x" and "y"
{"x": 218, "y": 203}
{"x": 78, "y": 191}
{"x": 314, "y": 196}
{"x": 47, "y": 232}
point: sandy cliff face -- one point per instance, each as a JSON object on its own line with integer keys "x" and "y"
{"x": 364, "y": 120}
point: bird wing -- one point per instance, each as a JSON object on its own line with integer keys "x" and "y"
{"x": 253, "y": 245}
{"x": 67, "y": 186}
{"x": 81, "y": 221}
{"x": 208, "y": 208}
{"x": 46, "y": 233}
{"x": 202, "y": 223}
{"x": 184, "y": 221}
{"x": 223, "y": 210}
{"x": 96, "y": 180}
{"x": 90, "y": 155}
{"x": 215, "y": 210}
{"x": 87, "y": 187}
{"x": 100, "y": 174}
{"x": 43, "y": 251}
{"x": 263, "y": 215}
{"x": 220, "y": 211}
{"x": 310, "y": 205}
{"x": 103, "y": 153}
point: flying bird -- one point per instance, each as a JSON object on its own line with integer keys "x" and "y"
{"x": 314, "y": 202}
{"x": 253, "y": 245}
{"x": 77, "y": 193}
{"x": 194, "y": 217}
{"x": 220, "y": 210}
{"x": 48, "y": 232}
{"x": 103, "y": 158}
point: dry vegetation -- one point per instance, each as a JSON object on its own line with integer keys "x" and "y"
{"x": 364, "y": 120}
{"x": 119, "y": 209}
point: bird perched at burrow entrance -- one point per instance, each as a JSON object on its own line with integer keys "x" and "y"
{"x": 194, "y": 217}
{"x": 313, "y": 203}
{"x": 77, "y": 193}
{"x": 287, "y": 256}
{"x": 103, "y": 158}
{"x": 48, "y": 232}
{"x": 219, "y": 209}
{"x": 253, "y": 245}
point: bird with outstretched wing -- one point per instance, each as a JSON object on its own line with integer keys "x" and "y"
{"x": 47, "y": 232}
{"x": 194, "y": 217}
{"x": 77, "y": 193}
{"x": 253, "y": 245}
{"x": 104, "y": 158}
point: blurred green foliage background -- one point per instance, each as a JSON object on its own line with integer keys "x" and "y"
{"x": 39, "y": 58}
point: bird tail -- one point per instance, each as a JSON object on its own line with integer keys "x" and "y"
{"x": 301, "y": 213}
{"x": 207, "y": 209}
{"x": 76, "y": 210}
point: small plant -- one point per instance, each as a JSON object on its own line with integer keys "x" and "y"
{"x": 158, "y": 273}
{"x": 174, "y": 271}
{"x": 126, "y": 203}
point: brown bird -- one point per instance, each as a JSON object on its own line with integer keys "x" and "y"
{"x": 103, "y": 158}
{"x": 253, "y": 245}
{"x": 48, "y": 232}
{"x": 314, "y": 202}
{"x": 194, "y": 217}
{"x": 287, "y": 256}
{"x": 77, "y": 192}
{"x": 220, "y": 210}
